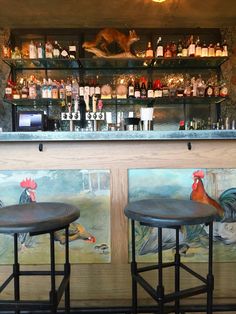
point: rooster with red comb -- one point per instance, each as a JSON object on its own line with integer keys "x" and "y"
{"x": 225, "y": 206}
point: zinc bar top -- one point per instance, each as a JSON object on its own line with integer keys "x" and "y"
{"x": 117, "y": 136}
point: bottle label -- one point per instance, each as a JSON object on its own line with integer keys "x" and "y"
{"x": 64, "y": 53}
{"x": 97, "y": 90}
{"x": 211, "y": 52}
{"x": 131, "y": 91}
{"x": 224, "y": 91}
{"x": 192, "y": 50}
{"x": 205, "y": 52}
{"x": 44, "y": 92}
{"x": 72, "y": 48}
{"x": 86, "y": 90}
{"x": 184, "y": 52}
{"x": 209, "y": 91}
{"x": 218, "y": 53}
{"x": 149, "y": 53}
{"x": 8, "y": 90}
{"x": 159, "y": 52}
{"x": 150, "y": 93}
{"x": 40, "y": 52}
{"x": 56, "y": 53}
{"x": 137, "y": 94}
{"x": 81, "y": 91}
{"x": 158, "y": 93}
{"x": 198, "y": 51}
{"x": 91, "y": 91}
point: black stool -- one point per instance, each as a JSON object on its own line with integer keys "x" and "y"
{"x": 170, "y": 213}
{"x": 35, "y": 219}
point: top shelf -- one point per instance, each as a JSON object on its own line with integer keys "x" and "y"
{"x": 117, "y": 63}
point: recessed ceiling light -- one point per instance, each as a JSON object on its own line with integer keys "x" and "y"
{"x": 158, "y": 0}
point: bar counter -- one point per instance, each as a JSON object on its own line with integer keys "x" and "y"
{"x": 117, "y": 136}
{"x": 108, "y": 284}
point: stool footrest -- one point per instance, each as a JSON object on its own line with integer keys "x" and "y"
{"x": 40, "y": 273}
{"x": 6, "y": 282}
{"x": 185, "y": 293}
{"x": 12, "y": 305}
{"x": 156, "y": 266}
{"x": 192, "y": 272}
{"x": 146, "y": 286}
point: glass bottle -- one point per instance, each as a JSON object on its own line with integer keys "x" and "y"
{"x": 131, "y": 89}
{"x": 180, "y": 48}
{"x": 173, "y": 48}
{"x": 97, "y": 88}
{"x": 149, "y": 51}
{"x": 159, "y": 49}
{"x": 6, "y": 50}
{"x": 40, "y": 51}
{"x": 211, "y": 50}
{"x": 150, "y": 91}
{"x": 62, "y": 92}
{"x": 198, "y": 51}
{"x": 223, "y": 90}
{"x": 75, "y": 89}
{"x": 32, "y": 50}
{"x": 81, "y": 88}
{"x": 56, "y": 51}
{"x": 185, "y": 50}
{"x": 8, "y": 90}
{"x": 158, "y": 92}
{"x": 49, "y": 88}
{"x": 64, "y": 53}
{"x": 48, "y": 50}
{"x": 25, "y": 90}
{"x": 91, "y": 88}
{"x": 168, "y": 53}
{"x": 191, "y": 48}
{"x": 204, "y": 50}
{"x": 45, "y": 89}
{"x": 54, "y": 90}
{"x": 143, "y": 90}
{"x": 137, "y": 93}
{"x": 68, "y": 89}
{"x": 218, "y": 50}
{"x": 32, "y": 88}
{"x": 209, "y": 90}
{"x": 181, "y": 125}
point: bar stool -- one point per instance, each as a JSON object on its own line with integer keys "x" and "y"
{"x": 170, "y": 213}
{"x": 35, "y": 219}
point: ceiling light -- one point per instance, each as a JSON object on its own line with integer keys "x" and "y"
{"x": 158, "y": 0}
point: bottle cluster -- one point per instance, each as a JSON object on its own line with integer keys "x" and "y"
{"x": 33, "y": 88}
{"x": 39, "y": 50}
{"x": 199, "y": 124}
{"x": 188, "y": 48}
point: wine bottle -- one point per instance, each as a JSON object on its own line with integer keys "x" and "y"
{"x": 149, "y": 51}
{"x": 56, "y": 50}
{"x": 180, "y": 49}
{"x": 45, "y": 89}
{"x": 131, "y": 89}
{"x": 191, "y": 48}
{"x": 32, "y": 50}
{"x": 143, "y": 90}
{"x": 198, "y": 52}
{"x": 218, "y": 50}
{"x": 137, "y": 90}
{"x": 150, "y": 92}
{"x": 159, "y": 49}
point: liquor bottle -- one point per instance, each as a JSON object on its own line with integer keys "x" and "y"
{"x": 223, "y": 90}
{"x": 16, "y": 54}
{"x": 137, "y": 93}
{"x": 168, "y": 53}
{"x": 209, "y": 90}
{"x": 173, "y": 49}
{"x": 45, "y": 89}
{"x": 198, "y": 51}
{"x": 40, "y": 51}
{"x": 180, "y": 48}
{"x": 204, "y": 50}
{"x": 143, "y": 90}
{"x": 224, "y": 49}
{"x": 8, "y": 90}
{"x": 181, "y": 125}
{"x": 25, "y": 90}
{"x": 54, "y": 90}
{"x": 185, "y": 50}
{"x": 32, "y": 88}
{"x": 191, "y": 48}
{"x": 56, "y": 50}
{"x": 48, "y": 50}
{"x": 158, "y": 92}
{"x": 209, "y": 123}
{"x": 191, "y": 126}
{"x": 72, "y": 51}
{"x": 62, "y": 91}
{"x": 49, "y": 88}
{"x": 15, "y": 91}
{"x": 149, "y": 51}
{"x": 211, "y": 50}
{"x": 6, "y": 50}
{"x": 159, "y": 49}
{"x": 32, "y": 50}
{"x": 131, "y": 89}
{"x": 150, "y": 91}
{"x": 218, "y": 50}
{"x": 64, "y": 53}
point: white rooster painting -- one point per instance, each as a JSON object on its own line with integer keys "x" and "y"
{"x": 88, "y": 189}
{"x": 216, "y": 187}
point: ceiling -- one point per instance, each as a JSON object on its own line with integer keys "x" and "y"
{"x": 117, "y": 13}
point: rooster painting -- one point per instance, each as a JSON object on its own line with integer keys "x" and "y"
{"x": 225, "y": 226}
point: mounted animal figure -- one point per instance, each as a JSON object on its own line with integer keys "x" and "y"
{"x": 110, "y": 35}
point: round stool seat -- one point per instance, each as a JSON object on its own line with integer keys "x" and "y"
{"x": 169, "y": 212}
{"x": 36, "y": 217}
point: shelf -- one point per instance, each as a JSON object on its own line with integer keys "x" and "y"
{"x": 52, "y": 64}
{"x": 34, "y": 102}
{"x": 117, "y": 63}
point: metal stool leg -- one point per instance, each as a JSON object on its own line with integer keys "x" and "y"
{"x": 67, "y": 272}
{"x": 134, "y": 271}
{"x": 210, "y": 277}
{"x": 53, "y": 293}
{"x": 16, "y": 270}
{"x": 160, "y": 287}
{"x": 177, "y": 271}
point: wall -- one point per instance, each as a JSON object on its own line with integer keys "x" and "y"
{"x": 5, "y": 109}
